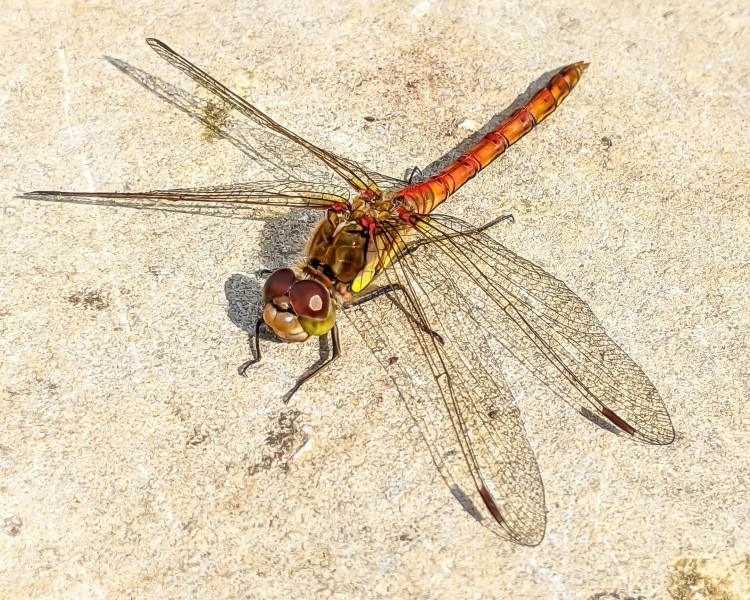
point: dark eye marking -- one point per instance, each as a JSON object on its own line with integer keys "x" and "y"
{"x": 309, "y": 298}
{"x": 278, "y": 284}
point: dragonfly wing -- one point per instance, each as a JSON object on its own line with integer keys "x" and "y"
{"x": 211, "y": 200}
{"x": 551, "y": 330}
{"x": 455, "y": 391}
{"x": 353, "y": 174}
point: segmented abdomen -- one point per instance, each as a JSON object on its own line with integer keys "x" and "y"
{"x": 427, "y": 195}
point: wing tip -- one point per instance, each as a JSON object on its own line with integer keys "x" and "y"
{"x": 618, "y": 421}
{"x": 665, "y": 437}
{"x": 662, "y": 436}
{"x": 533, "y": 538}
{"x": 158, "y": 46}
{"x": 491, "y": 506}
{"x": 36, "y": 194}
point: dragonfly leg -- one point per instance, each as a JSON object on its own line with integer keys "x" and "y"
{"x": 246, "y": 365}
{"x": 396, "y": 287}
{"x": 500, "y": 219}
{"x": 335, "y": 353}
{"x": 415, "y": 173}
{"x": 440, "y": 238}
{"x": 411, "y": 247}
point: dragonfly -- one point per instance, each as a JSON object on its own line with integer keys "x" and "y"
{"x": 439, "y": 302}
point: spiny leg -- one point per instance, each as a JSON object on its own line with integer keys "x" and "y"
{"x": 242, "y": 370}
{"x": 411, "y": 247}
{"x": 416, "y": 173}
{"x": 246, "y": 365}
{"x": 335, "y": 353}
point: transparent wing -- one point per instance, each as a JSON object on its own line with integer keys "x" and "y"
{"x": 485, "y": 304}
{"x": 212, "y": 200}
{"x": 303, "y": 173}
{"x": 544, "y": 324}
{"x": 454, "y": 390}
{"x": 356, "y": 176}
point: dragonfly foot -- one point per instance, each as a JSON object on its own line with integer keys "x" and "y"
{"x": 242, "y": 369}
{"x": 288, "y": 396}
{"x": 500, "y": 219}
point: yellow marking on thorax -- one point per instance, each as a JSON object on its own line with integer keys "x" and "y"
{"x": 379, "y": 256}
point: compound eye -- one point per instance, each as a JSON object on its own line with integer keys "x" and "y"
{"x": 278, "y": 284}
{"x": 284, "y": 324}
{"x": 310, "y": 298}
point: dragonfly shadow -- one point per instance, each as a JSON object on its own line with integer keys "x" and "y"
{"x": 449, "y": 157}
{"x": 466, "y": 503}
{"x": 209, "y": 114}
{"x": 244, "y": 307}
{"x": 244, "y": 293}
{"x": 281, "y": 231}
{"x": 244, "y": 302}
{"x": 594, "y": 418}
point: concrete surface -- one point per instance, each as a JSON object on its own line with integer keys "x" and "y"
{"x": 136, "y": 463}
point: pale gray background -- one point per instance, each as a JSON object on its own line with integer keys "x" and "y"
{"x": 135, "y": 462}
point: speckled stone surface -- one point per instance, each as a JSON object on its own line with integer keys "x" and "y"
{"x": 136, "y": 463}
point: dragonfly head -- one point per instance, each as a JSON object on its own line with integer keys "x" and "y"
{"x": 296, "y": 308}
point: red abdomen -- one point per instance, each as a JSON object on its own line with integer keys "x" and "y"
{"x": 430, "y": 193}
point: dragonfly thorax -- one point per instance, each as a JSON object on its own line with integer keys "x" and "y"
{"x": 338, "y": 247}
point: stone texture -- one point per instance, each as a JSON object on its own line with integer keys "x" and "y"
{"x": 135, "y": 463}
